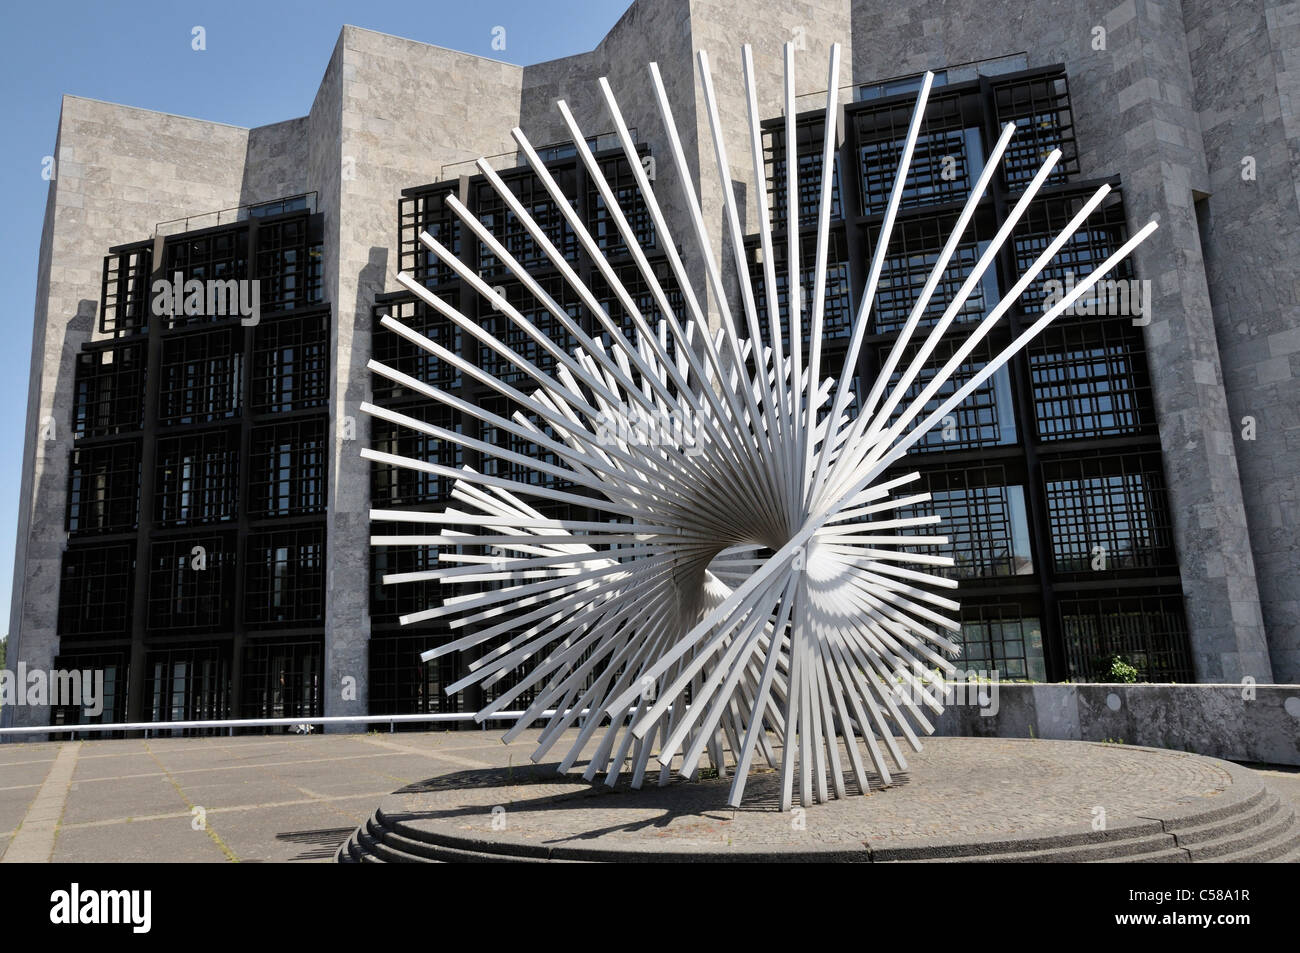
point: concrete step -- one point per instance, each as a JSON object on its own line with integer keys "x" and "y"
{"x": 1268, "y": 823}
{"x": 1207, "y": 835}
{"x": 1119, "y": 849}
{"x": 1256, "y": 828}
{"x": 1292, "y": 856}
{"x": 410, "y": 828}
{"x": 424, "y": 852}
{"x": 1286, "y": 841}
{"x": 1257, "y": 811}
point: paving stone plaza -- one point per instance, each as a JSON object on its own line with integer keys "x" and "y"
{"x": 301, "y": 799}
{"x": 962, "y": 799}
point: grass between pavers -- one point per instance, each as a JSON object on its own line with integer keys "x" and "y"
{"x": 207, "y": 828}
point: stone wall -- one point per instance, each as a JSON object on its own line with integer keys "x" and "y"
{"x": 120, "y": 171}
{"x": 1134, "y": 117}
{"x": 399, "y": 111}
{"x": 1245, "y": 60}
{"x": 1237, "y": 722}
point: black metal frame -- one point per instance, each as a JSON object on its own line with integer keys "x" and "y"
{"x": 1080, "y": 393}
{"x": 207, "y": 404}
{"x": 423, "y": 208}
{"x": 1079, "y": 397}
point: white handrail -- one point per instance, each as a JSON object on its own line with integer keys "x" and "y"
{"x": 233, "y": 723}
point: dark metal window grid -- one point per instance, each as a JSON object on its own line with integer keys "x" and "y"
{"x": 1091, "y": 380}
{"x": 209, "y": 460}
{"x": 201, "y": 377}
{"x": 288, "y": 465}
{"x": 197, "y": 478}
{"x": 1082, "y": 390}
{"x": 285, "y": 578}
{"x": 104, "y": 488}
{"x": 283, "y": 678}
{"x": 221, "y": 256}
{"x": 291, "y": 364}
{"x": 401, "y": 684}
{"x": 188, "y": 683}
{"x": 984, "y": 519}
{"x": 1111, "y": 511}
{"x": 183, "y": 598}
{"x": 1149, "y": 630}
{"x": 95, "y": 590}
{"x": 109, "y": 385}
{"x": 125, "y": 293}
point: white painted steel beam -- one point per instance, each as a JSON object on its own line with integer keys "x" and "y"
{"x": 748, "y": 552}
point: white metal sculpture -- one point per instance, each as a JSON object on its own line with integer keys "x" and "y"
{"x": 750, "y": 592}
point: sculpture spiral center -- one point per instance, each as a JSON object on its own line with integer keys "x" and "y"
{"x": 753, "y": 580}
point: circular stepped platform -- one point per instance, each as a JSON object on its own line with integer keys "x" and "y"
{"x": 961, "y": 800}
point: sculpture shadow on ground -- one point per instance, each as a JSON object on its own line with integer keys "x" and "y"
{"x": 658, "y": 806}
{"x": 317, "y": 844}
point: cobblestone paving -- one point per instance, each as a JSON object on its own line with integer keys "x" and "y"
{"x": 967, "y": 787}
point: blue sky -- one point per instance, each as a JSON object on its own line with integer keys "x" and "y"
{"x": 262, "y": 64}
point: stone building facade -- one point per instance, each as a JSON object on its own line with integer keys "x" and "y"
{"x": 1190, "y": 105}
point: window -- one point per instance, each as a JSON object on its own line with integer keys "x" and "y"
{"x": 192, "y": 584}
{"x": 388, "y": 602}
{"x": 914, "y": 251}
{"x": 947, "y": 159}
{"x": 998, "y": 637}
{"x": 126, "y": 294}
{"x": 508, "y": 332}
{"x": 507, "y": 469}
{"x": 1090, "y": 380}
{"x": 197, "y": 478}
{"x": 411, "y": 359}
{"x": 104, "y": 488}
{"x": 642, "y": 297}
{"x": 895, "y": 87}
{"x": 400, "y": 684}
{"x": 201, "y": 377}
{"x": 295, "y": 203}
{"x": 287, "y": 477}
{"x": 984, "y": 519}
{"x": 427, "y": 211}
{"x": 291, "y": 364}
{"x": 984, "y": 419}
{"x": 109, "y": 391}
{"x": 95, "y": 590}
{"x": 222, "y": 256}
{"x": 1099, "y": 237}
{"x": 111, "y": 666}
{"x": 283, "y": 679}
{"x": 285, "y": 578}
{"x": 1040, "y": 108}
{"x": 1149, "y": 631}
{"x": 289, "y": 266}
{"x": 396, "y": 487}
{"x": 811, "y": 140}
{"x": 1109, "y": 513}
{"x": 837, "y": 317}
{"x": 510, "y": 231}
{"x": 618, "y": 174}
{"x": 188, "y": 683}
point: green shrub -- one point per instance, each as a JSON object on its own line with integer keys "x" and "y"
{"x": 1121, "y": 671}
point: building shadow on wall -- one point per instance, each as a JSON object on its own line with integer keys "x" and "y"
{"x": 52, "y": 433}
